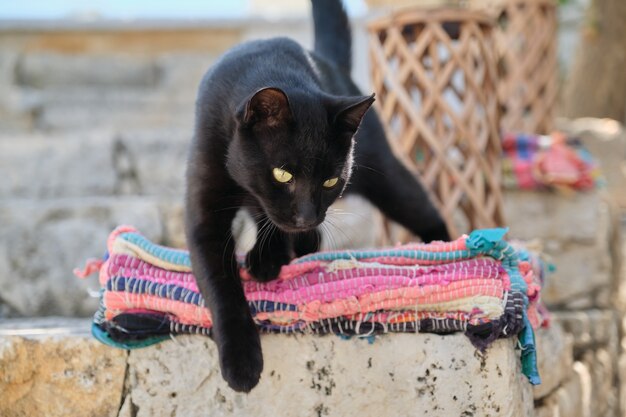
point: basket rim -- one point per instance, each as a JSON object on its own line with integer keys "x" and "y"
{"x": 416, "y": 14}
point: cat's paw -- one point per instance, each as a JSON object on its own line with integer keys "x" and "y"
{"x": 241, "y": 359}
{"x": 437, "y": 232}
{"x": 265, "y": 267}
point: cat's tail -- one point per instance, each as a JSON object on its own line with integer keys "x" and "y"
{"x": 332, "y": 32}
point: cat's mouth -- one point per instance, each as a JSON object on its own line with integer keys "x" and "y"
{"x": 293, "y": 227}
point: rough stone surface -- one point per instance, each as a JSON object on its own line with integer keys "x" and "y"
{"x": 124, "y": 114}
{"x": 45, "y": 326}
{"x": 8, "y": 60}
{"x": 603, "y": 377}
{"x": 38, "y": 166}
{"x": 59, "y": 376}
{"x": 15, "y": 113}
{"x": 581, "y": 273}
{"x": 159, "y": 160}
{"x": 574, "y": 218}
{"x": 173, "y": 218}
{"x": 51, "y": 367}
{"x": 42, "y": 70}
{"x": 327, "y": 376}
{"x": 554, "y": 356}
{"x": 582, "y": 372}
{"x": 576, "y": 235}
{"x": 622, "y": 383}
{"x": 43, "y": 241}
{"x": 94, "y": 163}
{"x": 578, "y": 396}
{"x": 566, "y": 401}
{"x": 589, "y": 328}
{"x": 180, "y": 73}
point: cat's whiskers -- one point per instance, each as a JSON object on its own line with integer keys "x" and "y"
{"x": 331, "y": 243}
{"x": 261, "y": 233}
{"x": 340, "y": 230}
{"x": 340, "y": 212}
{"x": 357, "y": 166}
{"x": 264, "y": 235}
{"x": 224, "y": 252}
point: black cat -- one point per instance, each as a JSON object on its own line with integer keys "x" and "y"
{"x": 275, "y": 133}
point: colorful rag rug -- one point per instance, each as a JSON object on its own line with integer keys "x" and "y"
{"x": 555, "y": 161}
{"x": 479, "y": 284}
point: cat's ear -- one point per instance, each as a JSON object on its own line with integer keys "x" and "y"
{"x": 267, "y": 108}
{"x": 349, "y": 112}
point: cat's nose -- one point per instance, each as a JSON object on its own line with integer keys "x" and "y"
{"x": 306, "y": 215}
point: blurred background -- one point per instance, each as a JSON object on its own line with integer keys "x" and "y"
{"x": 96, "y": 114}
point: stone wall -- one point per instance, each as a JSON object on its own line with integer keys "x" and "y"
{"x": 580, "y": 236}
{"x": 306, "y": 375}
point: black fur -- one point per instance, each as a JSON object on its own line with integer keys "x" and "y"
{"x": 270, "y": 104}
{"x": 333, "y": 40}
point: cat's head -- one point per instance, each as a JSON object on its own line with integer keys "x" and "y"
{"x": 293, "y": 152}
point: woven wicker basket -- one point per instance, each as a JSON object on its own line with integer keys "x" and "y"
{"x": 434, "y": 72}
{"x": 527, "y": 62}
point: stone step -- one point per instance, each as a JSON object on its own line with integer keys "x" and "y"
{"x": 94, "y": 163}
{"x": 51, "y": 91}
{"x": 304, "y": 375}
{"x": 42, "y": 241}
{"x": 579, "y": 233}
{"x": 119, "y": 107}
{"x": 41, "y": 70}
{"x": 69, "y": 116}
{"x": 107, "y": 71}
{"x": 101, "y": 97}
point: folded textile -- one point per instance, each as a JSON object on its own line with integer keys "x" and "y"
{"x": 537, "y": 161}
{"x": 479, "y": 284}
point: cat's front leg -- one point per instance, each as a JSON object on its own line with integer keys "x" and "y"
{"x": 215, "y": 268}
{"x": 272, "y": 250}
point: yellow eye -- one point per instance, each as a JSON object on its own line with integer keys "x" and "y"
{"x": 281, "y": 175}
{"x": 330, "y": 183}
